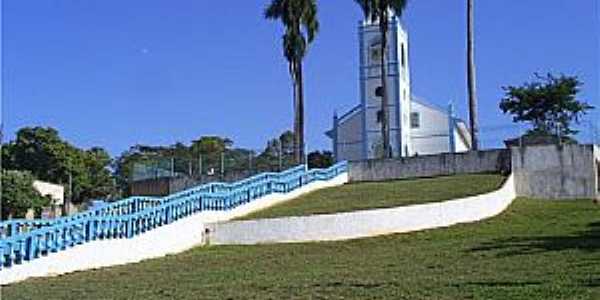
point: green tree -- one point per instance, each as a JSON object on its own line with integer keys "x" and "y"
{"x": 101, "y": 181}
{"x": 18, "y": 194}
{"x": 382, "y": 11}
{"x": 211, "y": 144}
{"x": 299, "y": 17}
{"x": 549, "y": 103}
{"x": 124, "y": 164}
{"x": 471, "y": 82}
{"x": 42, "y": 152}
{"x": 278, "y": 153}
{"x": 321, "y": 160}
{"x": 210, "y": 148}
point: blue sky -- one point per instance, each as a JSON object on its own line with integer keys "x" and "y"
{"x": 116, "y": 73}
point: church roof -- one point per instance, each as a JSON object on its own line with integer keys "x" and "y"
{"x": 461, "y": 124}
{"x": 424, "y": 102}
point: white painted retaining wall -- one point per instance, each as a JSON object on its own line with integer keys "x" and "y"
{"x": 169, "y": 239}
{"x": 366, "y": 223}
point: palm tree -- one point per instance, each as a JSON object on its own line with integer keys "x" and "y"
{"x": 471, "y": 77}
{"x": 381, "y": 11}
{"x": 299, "y": 17}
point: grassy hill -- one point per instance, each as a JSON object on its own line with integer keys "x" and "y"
{"x": 359, "y": 196}
{"x": 535, "y": 250}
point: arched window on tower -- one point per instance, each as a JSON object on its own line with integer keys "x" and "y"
{"x": 375, "y": 51}
{"x": 403, "y": 56}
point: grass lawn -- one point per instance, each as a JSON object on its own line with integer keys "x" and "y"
{"x": 360, "y": 196}
{"x": 535, "y": 250}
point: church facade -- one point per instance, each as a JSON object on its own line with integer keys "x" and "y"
{"x": 415, "y": 126}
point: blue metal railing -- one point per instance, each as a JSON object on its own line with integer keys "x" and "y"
{"x": 25, "y": 240}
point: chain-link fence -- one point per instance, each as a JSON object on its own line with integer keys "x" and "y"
{"x": 165, "y": 174}
{"x": 223, "y": 166}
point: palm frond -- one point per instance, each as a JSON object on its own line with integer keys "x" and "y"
{"x": 299, "y": 18}
{"x": 397, "y": 6}
{"x": 275, "y": 10}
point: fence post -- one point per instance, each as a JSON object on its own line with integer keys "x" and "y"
{"x": 336, "y": 123}
{"x": 172, "y": 166}
{"x": 200, "y": 166}
{"x": 280, "y": 157}
{"x": 222, "y": 165}
{"x": 451, "y": 125}
{"x": 250, "y": 162}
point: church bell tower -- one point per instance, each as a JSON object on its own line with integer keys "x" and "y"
{"x": 398, "y": 89}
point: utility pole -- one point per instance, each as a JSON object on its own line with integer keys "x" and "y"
{"x": 473, "y": 116}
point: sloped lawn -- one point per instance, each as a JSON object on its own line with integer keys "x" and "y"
{"x": 535, "y": 250}
{"x": 359, "y": 196}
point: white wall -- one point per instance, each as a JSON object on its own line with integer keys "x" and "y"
{"x": 460, "y": 144}
{"x": 169, "y": 239}
{"x": 366, "y": 223}
{"x": 432, "y": 135}
{"x": 398, "y": 85}
{"x": 350, "y": 138}
{"x": 55, "y": 191}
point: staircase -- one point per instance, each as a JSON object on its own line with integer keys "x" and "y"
{"x": 25, "y": 241}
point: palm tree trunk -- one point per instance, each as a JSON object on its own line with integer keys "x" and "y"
{"x": 296, "y": 71}
{"x": 385, "y": 132}
{"x": 299, "y": 133}
{"x": 471, "y": 77}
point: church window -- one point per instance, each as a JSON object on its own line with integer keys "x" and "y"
{"x": 375, "y": 51}
{"x": 375, "y": 54}
{"x": 379, "y": 91}
{"x": 415, "y": 120}
{"x": 403, "y": 56}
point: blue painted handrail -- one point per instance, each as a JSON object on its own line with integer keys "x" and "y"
{"x": 25, "y": 240}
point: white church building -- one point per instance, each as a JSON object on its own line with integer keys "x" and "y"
{"x": 416, "y": 127}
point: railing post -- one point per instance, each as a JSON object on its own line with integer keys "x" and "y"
{"x": 129, "y": 227}
{"x": 2, "y": 251}
{"x": 14, "y": 228}
{"x": 29, "y": 248}
{"x": 88, "y": 231}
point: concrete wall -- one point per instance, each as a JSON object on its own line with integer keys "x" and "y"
{"x": 431, "y": 165}
{"x": 55, "y": 191}
{"x": 556, "y": 172}
{"x": 169, "y": 239}
{"x": 363, "y": 223}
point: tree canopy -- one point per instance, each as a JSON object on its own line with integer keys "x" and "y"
{"x": 549, "y": 103}
{"x": 42, "y": 152}
{"x": 321, "y": 160}
{"x": 18, "y": 194}
{"x": 301, "y": 26}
